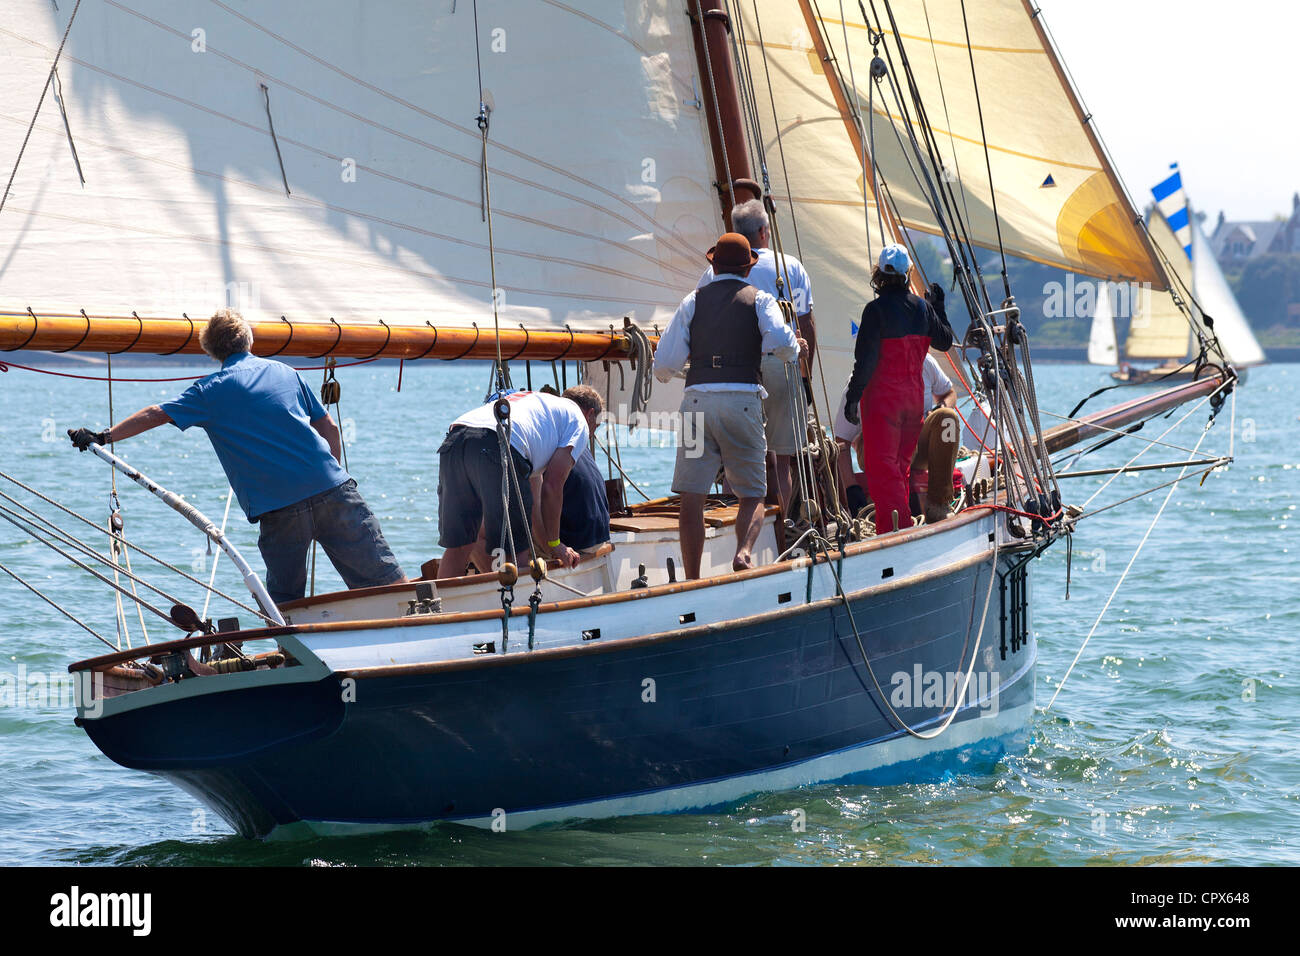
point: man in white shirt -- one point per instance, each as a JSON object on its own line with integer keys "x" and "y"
{"x": 547, "y": 434}
{"x": 784, "y": 436}
{"x": 937, "y": 447}
{"x": 723, "y": 329}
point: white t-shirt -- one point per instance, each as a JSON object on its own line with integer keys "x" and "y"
{"x": 936, "y": 382}
{"x": 540, "y": 425}
{"x": 764, "y": 275}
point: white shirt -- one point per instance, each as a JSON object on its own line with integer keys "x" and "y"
{"x": 540, "y": 425}
{"x": 674, "y": 349}
{"x": 936, "y": 382}
{"x": 765, "y": 273}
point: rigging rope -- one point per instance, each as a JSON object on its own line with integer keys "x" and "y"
{"x": 84, "y": 520}
{"x": 988, "y": 163}
{"x": 484, "y": 122}
{"x": 117, "y": 587}
{"x": 71, "y": 617}
{"x": 49, "y": 80}
{"x": 207, "y": 598}
{"x": 1173, "y": 486}
{"x": 6, "y": 365}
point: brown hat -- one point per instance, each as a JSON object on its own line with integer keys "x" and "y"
{"x": 732, "y": 252}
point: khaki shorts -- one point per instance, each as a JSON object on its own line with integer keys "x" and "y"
{"x": 779, "y": 426}
{"x": 721, "y": 429}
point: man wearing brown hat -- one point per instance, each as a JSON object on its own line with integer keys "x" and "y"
{"x": 723, "y": 329}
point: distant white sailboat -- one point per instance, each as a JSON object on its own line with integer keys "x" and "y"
{"x": 1159, "y": 329}
{"x": 1103, "y": 348}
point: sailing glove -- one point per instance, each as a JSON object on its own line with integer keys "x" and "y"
{"x": 936, "y": 296}
{"x": 82, "y": 438}
{"x": 851, "y": 413}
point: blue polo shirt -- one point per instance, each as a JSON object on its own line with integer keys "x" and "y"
{"x": 258, "y": 416}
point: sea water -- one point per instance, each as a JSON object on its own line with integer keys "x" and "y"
{"x": 1173, "y": 740}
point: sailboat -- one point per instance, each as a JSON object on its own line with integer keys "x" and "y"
{"x": 431, "y": 181}
{"x": 1159, "y": 327}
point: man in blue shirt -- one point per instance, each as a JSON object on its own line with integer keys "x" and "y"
{"x": 280, "y": 450}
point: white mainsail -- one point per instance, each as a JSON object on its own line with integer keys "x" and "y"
{"x": 600, "y": 162}
{"x": 1215, "y": 296}
{"x": 1102, "y": 346}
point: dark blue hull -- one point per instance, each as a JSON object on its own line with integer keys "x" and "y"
{"x": 685, "y": 720}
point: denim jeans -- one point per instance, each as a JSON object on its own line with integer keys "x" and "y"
{"x": 346, "y": 529}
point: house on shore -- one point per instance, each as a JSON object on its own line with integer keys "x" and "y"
{"x": 1236, "y": 243}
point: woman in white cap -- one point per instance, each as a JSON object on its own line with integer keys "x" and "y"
{"x": 885, "y": 391}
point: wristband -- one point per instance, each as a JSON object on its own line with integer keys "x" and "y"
{"x": 553, "y": 544}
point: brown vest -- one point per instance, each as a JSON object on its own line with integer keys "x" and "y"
{"x": 726, "y": 345}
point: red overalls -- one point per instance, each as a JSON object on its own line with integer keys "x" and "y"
{"x": 893, "y": 410}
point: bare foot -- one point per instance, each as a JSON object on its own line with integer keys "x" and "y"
{"x": 743, "y": 561}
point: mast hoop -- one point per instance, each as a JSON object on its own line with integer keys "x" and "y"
{"x": 720, "y": 15}
{"x": 337, "y": 338}
{"x": 287, "y": 341}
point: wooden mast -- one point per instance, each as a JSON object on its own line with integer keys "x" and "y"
{"x": 726, "y": 121}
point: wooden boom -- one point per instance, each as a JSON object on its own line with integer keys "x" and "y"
{"x": 1071, "y": 433}
{"x": 169, "y": 336}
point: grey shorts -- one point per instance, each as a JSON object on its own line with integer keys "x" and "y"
{"x": 469, "y": 490}
{"x": 721, "y": 429}
{"x": 777, "y": 410}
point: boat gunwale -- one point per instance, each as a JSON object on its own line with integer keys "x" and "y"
{"x": 969, "y": 516}
{"x": 640, "y": 640}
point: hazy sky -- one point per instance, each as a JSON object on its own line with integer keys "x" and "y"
{"x": 1212, "y": 86}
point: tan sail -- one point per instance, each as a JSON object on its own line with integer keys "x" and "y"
{"x": 1058, "y": 199}
{"x": 815, "y": 165}
{"x": 1159, "y": 329}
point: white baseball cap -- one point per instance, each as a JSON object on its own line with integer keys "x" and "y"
{"x": 894, "y": 259}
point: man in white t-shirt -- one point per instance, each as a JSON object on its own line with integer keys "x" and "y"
{"x": 750, "y": 220}
{"x": 937, "y": 446}
{"x": 547, "y": 434}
